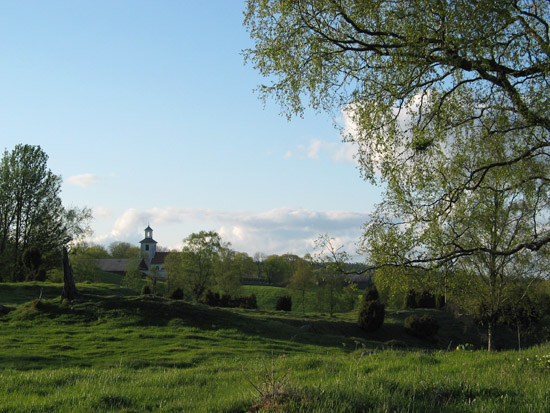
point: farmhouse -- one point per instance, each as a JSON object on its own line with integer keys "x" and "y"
{"x": 150, "y": 258}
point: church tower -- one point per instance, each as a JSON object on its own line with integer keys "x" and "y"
{"x": 149, "y": 245}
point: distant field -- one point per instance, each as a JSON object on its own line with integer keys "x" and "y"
{"x": 110, "y": 351}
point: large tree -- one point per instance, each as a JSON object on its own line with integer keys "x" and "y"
{"x": 194, "y": 267}
{"x": 276, "y": 269}
{"x": 480, "y": 239}
{"x": 31, "y": 212}
{"x": 447, "y": 103}
{"x": 411, "y": 75}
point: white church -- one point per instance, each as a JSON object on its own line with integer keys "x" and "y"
{"x": 151, "y": 258}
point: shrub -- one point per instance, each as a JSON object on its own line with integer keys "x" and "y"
{"x": 439, "y": 301}
{"x": 246, "y": 302}
{"x": 425, "y": 299}
{"x": 145, "y": 290}
{"x": 211, "y": 299}
{"x": 371, "y": 315}
{"x": 226, "y": 301}
{"x": 251, "y": 302}
{"x": 41, "y": 276}
{"x": 284, "y": 303}
{"x": 371, "y": 294}
{"x": 215, "y": 300}
{"x": 410, "y": 299}
{"x": 177, "y": 294}
{"x": 421, "y": 327}
{"x": 420, "y": 299}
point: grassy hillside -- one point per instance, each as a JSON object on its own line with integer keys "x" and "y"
{"x": 267, "y": 298}
{"x": 110, "y": 351}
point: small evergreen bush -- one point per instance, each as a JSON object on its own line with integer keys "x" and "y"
{"x": 225, "y": 300}
{"x": 371, "y": 294}
{"x": 371, "y": 315}
{"x": 284, "y": 303}
{"x": 211, "y": 299}
{"x": 177, "y": 294}
{"x": 425, "y": 299}
{"x": 145, "y": 290}
{"x": 419, "y": 299}
{"x": 422, "y": 327}
{"x": 410, "y": 299}
{"x": 251, "y": 302}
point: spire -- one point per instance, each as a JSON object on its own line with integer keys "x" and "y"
{"x": 148, "y": 244}
{"x": 148, "y": 232}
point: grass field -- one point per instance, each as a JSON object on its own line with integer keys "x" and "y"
{"x": 111, "y": 351}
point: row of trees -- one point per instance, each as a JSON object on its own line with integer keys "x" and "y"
{"x": 34, "y": 224}
{"x": 206, "y": 262}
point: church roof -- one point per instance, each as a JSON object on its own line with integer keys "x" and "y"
{"x": 117, "y": 265}
{"x": 149, "y": 240}
{"x": 159, "y": 257}
{"x": 113, "y": 264}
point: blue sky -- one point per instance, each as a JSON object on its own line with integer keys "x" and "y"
{"x": 147, "y": 111}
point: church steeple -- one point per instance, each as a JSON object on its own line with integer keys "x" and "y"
{"x": 148, "y": 232}
{"x": 149, "y": 245}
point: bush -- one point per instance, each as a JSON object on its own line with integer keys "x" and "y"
{"x": 410, "y": 299}
{"x": 371, "y": 315}
{"x": 145, "y": 290}
{"x": 246, "y": 302}
{"x": 284, "y": 303}
{"x": 421, "y": 327}
{"x": 215, "y": 300}
{"x": 226, "y": 301}
{"x": 371, "y": 294}
{"x": 41, "y": 276}
{"x": 425, "y": 299}
{"x": 211, "y": 299}
{"x": 251, "y": 302}
{"x": 177, "y": 294}
{"x": 420, "y": 299}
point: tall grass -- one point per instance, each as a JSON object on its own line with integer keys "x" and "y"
{"x": 110, "y": 352}
{"x": 379, "y": 381}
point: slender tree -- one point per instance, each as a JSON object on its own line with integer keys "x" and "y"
{"x": 302, "y": 281}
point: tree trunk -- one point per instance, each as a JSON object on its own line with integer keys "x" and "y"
{"x": 69, "y": 288}
{"x": 490, "y": 336}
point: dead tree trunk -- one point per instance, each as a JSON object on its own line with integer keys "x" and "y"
{"x": 69, "y": 288}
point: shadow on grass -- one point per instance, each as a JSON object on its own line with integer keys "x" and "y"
{"x": 126, "y": 312}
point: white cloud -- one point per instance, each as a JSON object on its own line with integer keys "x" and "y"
{"x": 276, "y": 231}
{"x": 128, "y": 224}
{"x": 83, "y": 180}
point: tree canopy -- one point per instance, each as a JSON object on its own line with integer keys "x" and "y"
{"x": 414, "y": 78}
{"x": 447, "y": 105}
{"x": 31, "y": 211}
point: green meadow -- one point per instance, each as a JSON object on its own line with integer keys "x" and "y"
{"x": 114, "y": 351}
